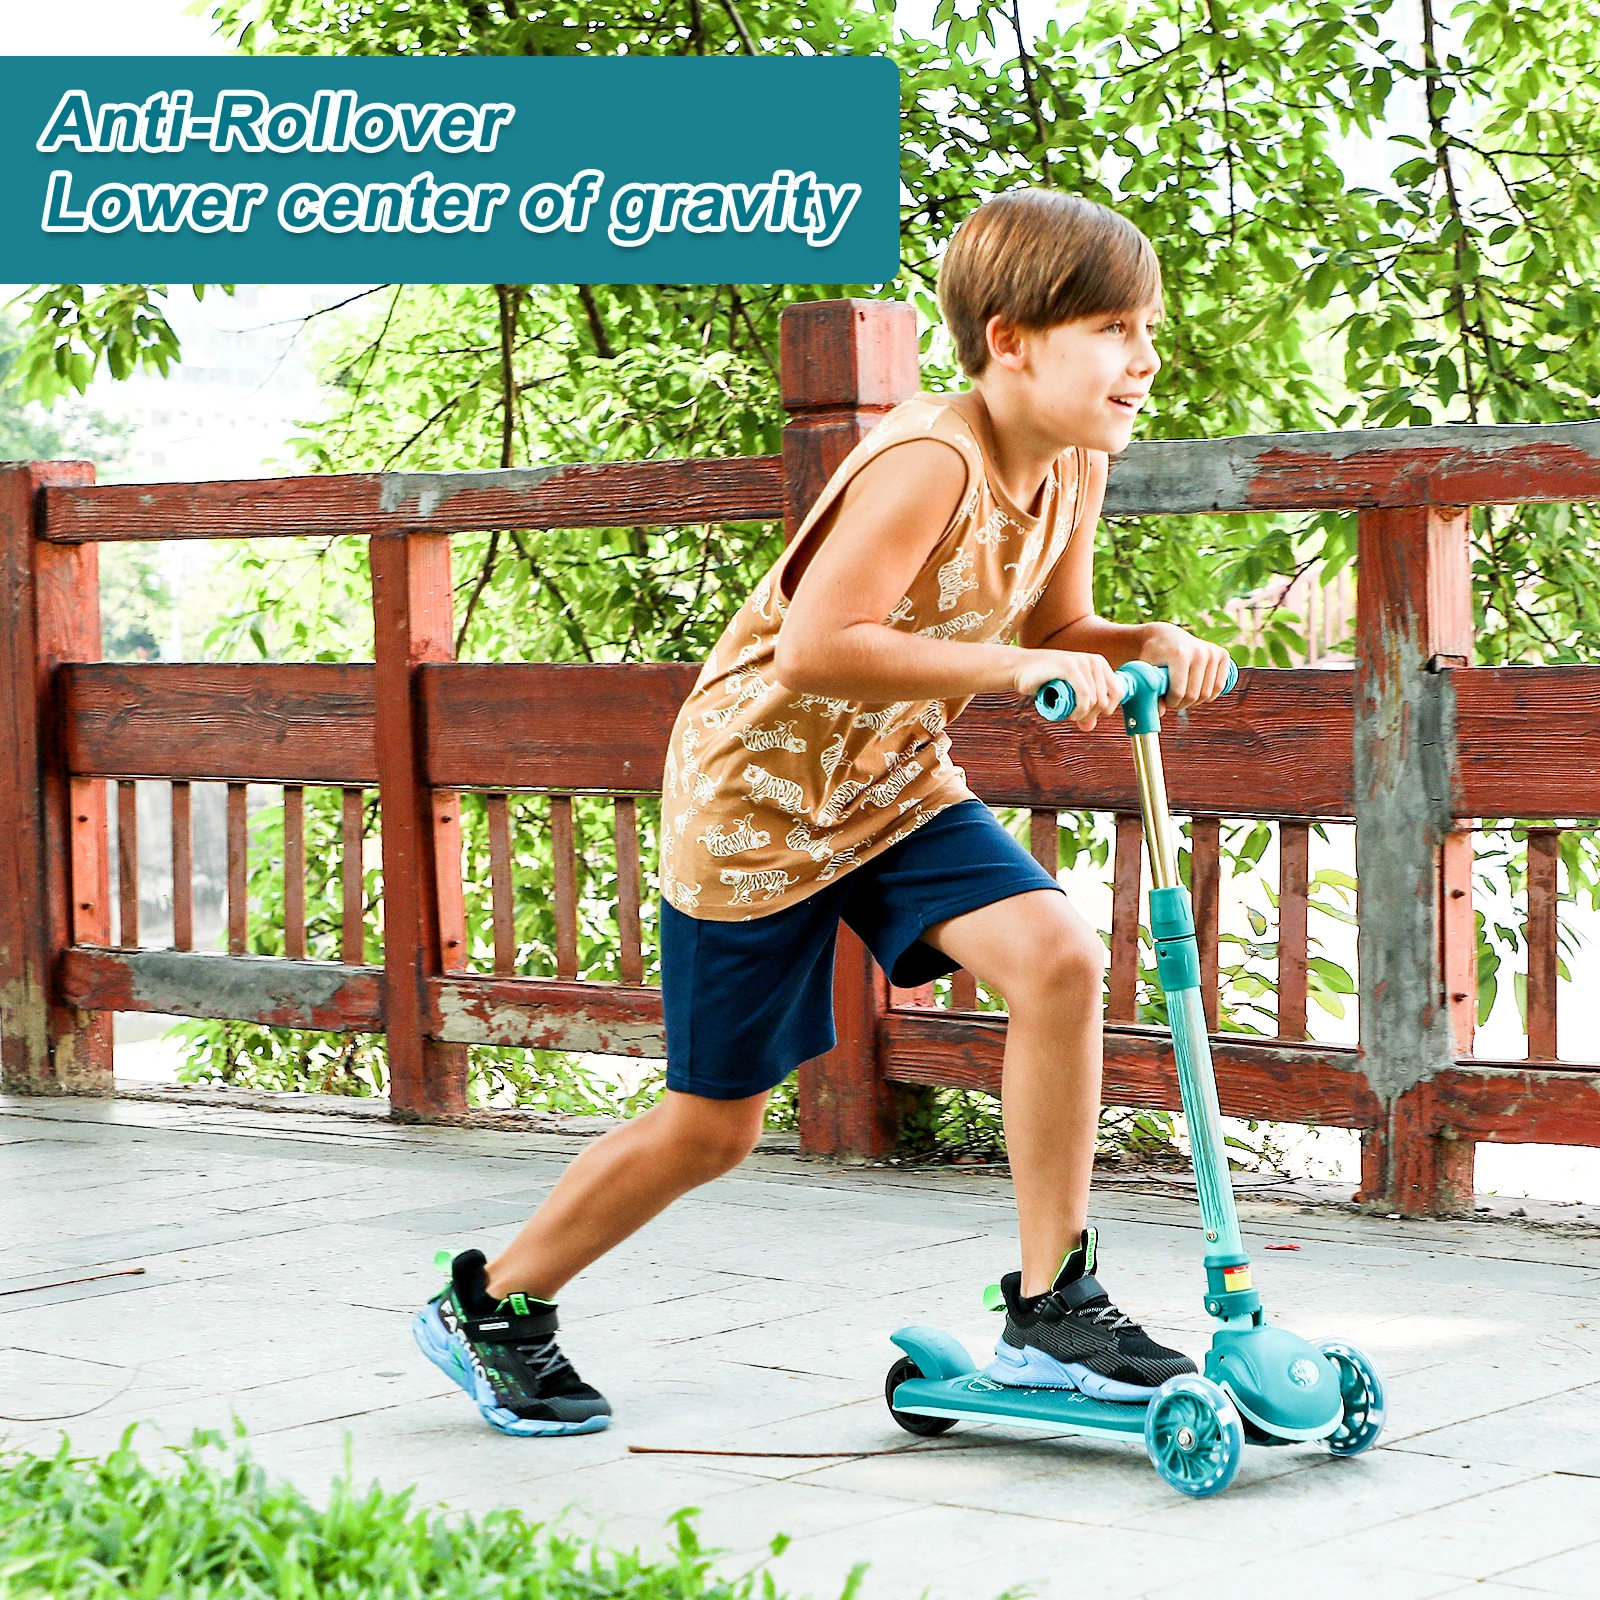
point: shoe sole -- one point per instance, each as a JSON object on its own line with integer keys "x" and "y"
{"x": 449, "y": 1353}
{"x": 1028, "y": 1368}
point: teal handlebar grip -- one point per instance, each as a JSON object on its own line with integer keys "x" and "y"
{"x": 1056, "y": 701}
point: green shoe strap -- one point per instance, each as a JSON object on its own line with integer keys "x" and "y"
{"x": 520, "y": 1304}
{"x": 994, "y": 1297}
{"x": 523, "y": 1305}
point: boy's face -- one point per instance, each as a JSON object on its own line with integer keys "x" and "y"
{"x": 1085, "y": 380}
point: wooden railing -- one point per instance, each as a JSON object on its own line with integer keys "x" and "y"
{"x": 1413, "y": 747}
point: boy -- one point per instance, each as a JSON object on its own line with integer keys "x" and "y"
{"x": 808, "y": 781}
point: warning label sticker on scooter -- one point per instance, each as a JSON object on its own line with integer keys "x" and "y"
{"x": 1235, "y": 1278}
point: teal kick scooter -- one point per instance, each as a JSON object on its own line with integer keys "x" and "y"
{"x": 1261, "y": 1383}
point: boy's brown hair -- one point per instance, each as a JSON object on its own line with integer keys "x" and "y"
{"x": 1038, "y": 258}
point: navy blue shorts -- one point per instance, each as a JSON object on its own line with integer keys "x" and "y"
{"x": 747, "y": 1002}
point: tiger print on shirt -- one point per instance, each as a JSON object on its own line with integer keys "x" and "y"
{"x": 770, "y": 794}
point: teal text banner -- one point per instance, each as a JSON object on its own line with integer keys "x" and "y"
{"x": 449, "y": 169}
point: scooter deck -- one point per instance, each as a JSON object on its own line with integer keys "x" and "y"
{"x": 975, "y": 1398}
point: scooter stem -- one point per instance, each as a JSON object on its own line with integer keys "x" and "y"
{"x": 1229, "y": 1294}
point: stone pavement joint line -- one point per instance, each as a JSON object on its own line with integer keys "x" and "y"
{"x": 285, "y": 1251}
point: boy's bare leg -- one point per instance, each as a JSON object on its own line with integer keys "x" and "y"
{"x": 620, "y": 1182}
{"x": 1048, "y": 963}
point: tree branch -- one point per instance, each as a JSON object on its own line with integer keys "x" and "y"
{"x": 485, "y": 573}
{"x": 743, "y": 31}
{"x": 597, "y": 328}
{"x": 739, "y": 305}
{"x": 1432, "y": 82}
{"x": 509, "y": 296}
{"x": 1025, "y": 61}
{"x": 564, "y": 609}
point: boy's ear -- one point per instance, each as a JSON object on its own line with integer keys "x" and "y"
{"x": 1004, "y": 340}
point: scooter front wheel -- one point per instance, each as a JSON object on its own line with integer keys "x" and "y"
{"x": 903, "y": 1371}
{"x": 1362, "y": 1391}
{"x": 1193, "y": 1435}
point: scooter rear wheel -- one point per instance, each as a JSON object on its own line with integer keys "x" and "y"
{"x": 1193, "y": 1435}
{"x": 1362, "y": 1390}
{"x": 903, "y": 1371}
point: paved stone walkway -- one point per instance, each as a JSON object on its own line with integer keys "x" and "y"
{"x": 285, "y": 1253}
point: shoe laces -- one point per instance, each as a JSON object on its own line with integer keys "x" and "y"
{"x": 543, "y": 1358}
{"x": 1105, "y": 1314}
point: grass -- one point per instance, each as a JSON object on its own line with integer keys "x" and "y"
{"x": 216, "y": 1526}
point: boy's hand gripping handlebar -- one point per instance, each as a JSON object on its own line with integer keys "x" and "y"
{"x": 1142, "y": 686}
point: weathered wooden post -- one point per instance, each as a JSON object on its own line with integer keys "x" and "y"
{"x": 1415, "y": 944}
{"x": 423, "y": 923}
{"x": 54, "y": 878}
{"x": 845, "y": 363}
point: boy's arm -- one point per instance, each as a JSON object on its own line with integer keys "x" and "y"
{"x": 857, "y": 566}
{"x": 1064, "y": 618}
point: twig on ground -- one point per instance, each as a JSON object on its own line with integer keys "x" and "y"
{"x": 833, "y": 1455}
{"x": 94, "y": 1277}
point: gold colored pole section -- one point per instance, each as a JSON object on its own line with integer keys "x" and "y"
{"x": 1153, "y": 803}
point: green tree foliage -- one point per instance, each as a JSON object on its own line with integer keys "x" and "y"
{"x": 1371, "y": 213}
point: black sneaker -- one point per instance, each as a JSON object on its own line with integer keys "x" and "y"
{"x": 504, "y": 1354}
{"x": 1072, "y": 1337}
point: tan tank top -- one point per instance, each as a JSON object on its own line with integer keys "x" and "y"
{"x": 770, "y": 794}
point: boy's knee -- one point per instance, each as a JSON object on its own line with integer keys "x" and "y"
{"x": 1071, "y": 961}
{"x": 720, "y": 1133}
{"x": 730, "y": 1146}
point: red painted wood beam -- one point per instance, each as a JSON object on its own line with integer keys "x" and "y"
{"x": 1313, "y": 1083}
{"x": 845, "y": 363}
{"x": 547, "y": 1014}
{"x": 190, "y": 983}
{"x": 49, "y": 613}
{"x": 591, "y": 495}
{"x": 1278, "y": 745}
{"x": 1459, "y": 464}
{"x": 1528, "y": 737}
{"x": 268, "y": 722}
{"x": 1512, "y": 1103}
{"x": 423, "y": 921}
{"x": 567, "y": 729}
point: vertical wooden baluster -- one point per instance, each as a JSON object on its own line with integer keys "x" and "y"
{"x": 90, "y": 866}
{"x": 502, "y": 894}
{"x": 352, "y": 940}
{"x": 1205, "y": 886}
{"x": 963, "y": 990}
{"x": 128, "y": 863}
{"x": 238, "y": 869}
{"x": 1544, "y": 857}
{"x": 564, "y": 885}
{"x": 625, "y": 824}
{"x": 294, "y": 872}
{"x": 1044, "y": 840}
{"x": 1294, "y": 870}
{"x": 182, "y": 866}
{"x": 1459, "y": 958}
{"x": 1123, "y": 1002}
{"x": 452, "y": 895}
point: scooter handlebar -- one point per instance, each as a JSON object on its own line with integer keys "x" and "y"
{"x": 1056, "y": 701}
